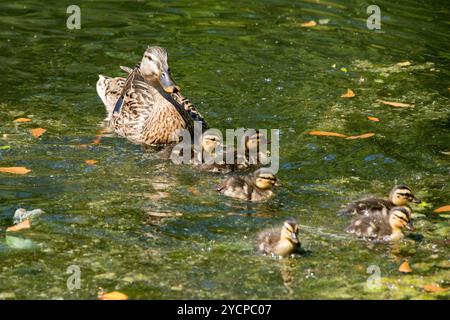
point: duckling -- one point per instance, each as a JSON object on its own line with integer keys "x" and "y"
{"x": 253, "y": 156}
{"x": 379, "y": 227}
{"x": 278, "y": 242}
{"x": 253, "y": 187}
{"x": 109, "y": 90}
{"x": 146, "y": 113}
{"x": 399, "y": 196}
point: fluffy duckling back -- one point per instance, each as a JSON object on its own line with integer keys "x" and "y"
{"x": 253, "y": 187}
{"x": 380, "y": 227}
{"x": 399, "y": 196}
{"x": 278, "y": 242}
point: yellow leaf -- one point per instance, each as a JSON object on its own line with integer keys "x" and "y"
{"x": 395, "y": 104}
{"x": 20, "y": 120}
{"x": 375, "y": 119}
{"x": 115, "y": 295}
{"x": 327, "y": 133}
{"x": 348, "y": 94}
{"x": 443, "y": 209}
{"x": 90, "y": 162}
{"x": 311, "y": 23}
{"x": 404, "y": 267}
{"x": 361, "y": 136}
{"x": 15, "y": 170}
{"x": 26, "y": 224}
{"x": 434, "y": 288}
{"x": 37, "y": 132}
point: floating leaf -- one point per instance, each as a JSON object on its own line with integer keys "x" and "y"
{"x": 395, "y": 104}
{"x": 404, "y": 267}
{"x": 424, "y": 204}
{"x": 374, "y": 119}
{"x": 37, "y": 132}
{"x": 443, "y": 209}
{"x": 4, "y": 147}
{"x": 324, "y": 21}
{"x": 115, "y": 295}
{"x": 21, "y": 120}
{"x": 90, "y": 162}
{"x": 361, "y": 136}
{"x": 447, "y": 153}
{"x": 434, "y": 288}
{"x": 21, "y": 226}
{"x": 327, "y": 133}
{"x": 15, "y": 170}
{"x": 344, "y": 69}
{"x": 311, "y": 23}
{"x": 348, "y": 94}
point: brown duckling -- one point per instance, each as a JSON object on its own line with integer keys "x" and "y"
{"x": 253, "y": 156}
{"x": 379, "y": 227}
{"x": 253, "y": 187}
{"x": 399, "y": 196}
{"x": 278, "y": 242}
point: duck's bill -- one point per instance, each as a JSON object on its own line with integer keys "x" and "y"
{"x": 167, "y": 83}
{"x": 410, "y": 226}
{"x": 294, "y": 238}
{"x": 415, "y": 200}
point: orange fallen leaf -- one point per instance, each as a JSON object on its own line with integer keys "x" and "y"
{"x": 115, "y": 295}
{"x": 90, "y": 162}
{"x": 434, "y": 288}
{"x": 15, "y": 170}
{"x": 26, "y": 224}
{"x": 327, "y": 133}
{"x": 443, "y": 209}
{"x": 20, "y": 120}
{"x": 375, "y": 119}
{"x": 311, "y": 23}
{"x": 361, "y": 136}
{"x": 404, "y": 267}
{"x": 348, "y": 94}
{"x": 395, "y": 104}
{"x": 37, "y": 132}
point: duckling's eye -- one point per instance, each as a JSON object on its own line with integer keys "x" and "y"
{"x": 168, "y": 70}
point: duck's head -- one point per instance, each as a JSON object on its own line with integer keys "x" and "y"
{"x": 400, "y": 218}
{"x": 402, "y": 195}
{"x": 289, "y": 231}
{"x": 210, "y": 142}
{"x": 155, "y": 69}
{"x": 264, "y": 178}
{"x": 252, "y": 142}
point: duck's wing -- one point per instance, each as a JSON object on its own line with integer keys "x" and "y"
{"x": 366, "y": 207}
{"x": 182, "y": 100}
{"x": 133, "y": 75}
{"x": 190, "y": 108}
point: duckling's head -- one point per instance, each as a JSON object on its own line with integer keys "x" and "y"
{"x": 155, "y": 69}
{"x": 402, "y": 195}
{"x": 210, "y": 142}
{"x": 289, "y": 231}
{"x": 264, "y": 178}
{"x": 400, "y": 217}
{"x": 252, "y": 142}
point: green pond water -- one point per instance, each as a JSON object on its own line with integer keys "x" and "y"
{"x": 154, "y": 230}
